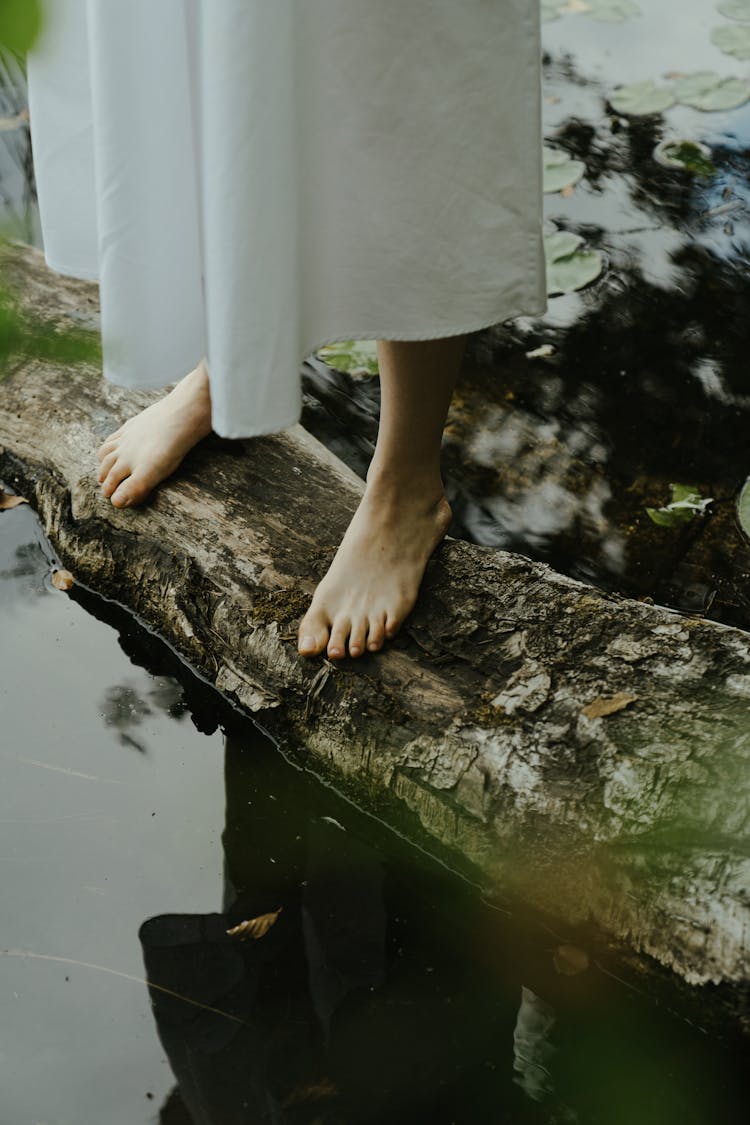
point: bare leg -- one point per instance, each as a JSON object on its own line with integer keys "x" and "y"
{"x": 150, "y": 445}
{"x": 374, "y": 579}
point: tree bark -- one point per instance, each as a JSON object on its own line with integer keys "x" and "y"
{"x": 474, "y": 730}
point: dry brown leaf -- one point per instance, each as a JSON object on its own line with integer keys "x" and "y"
{"x": 566, "y": 192}
{"x": 255, "y": 927}
{"x": 62, "y": 579}
{"x": 569, "y": 960}
{"x": 311, "y": 1092}
{"x": 602, "y": 705}
{"x": 8, "y": 501}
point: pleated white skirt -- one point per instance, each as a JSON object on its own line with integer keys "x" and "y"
{"x": 248, "y": 179}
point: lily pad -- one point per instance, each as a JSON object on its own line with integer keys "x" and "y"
{"x": 735, "y": 9}
{"x": 743, "y": 508}
{"x": 641, "y": 98}
{"x": 568, "y": 266}
{"x": 551, "y": 10}
{"x": 612, "y": 11}
{"x": 732, "y": 40}
{"x": 689, "y": 156}
{"x": 356, "y": 357}
{"x": 560, "y": 170}
{"x": 710, "y": 91}
{"x": 686, "y": 503}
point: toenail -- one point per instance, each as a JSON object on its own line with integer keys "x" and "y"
{"x": 307, "y": 644}
{"x": 373, "y": 646}
{"x": 355, "y": 650}
{"x": 334, "y": 652}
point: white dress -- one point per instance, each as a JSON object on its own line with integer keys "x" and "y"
{"x": 248, "y": 179}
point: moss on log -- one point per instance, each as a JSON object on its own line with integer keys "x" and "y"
{"x": 482, "y": 727}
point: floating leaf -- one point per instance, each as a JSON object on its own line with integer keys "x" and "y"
{"x": 686, "y": 502}
{"x": 743, "y": 508}
{"x": 735, "y": 9}
{"x": 732, "y": 40}
{"x": 62, "y": 579}
{"x": 569, "y": 960}
{"x": 255, "y": 927}
{"x": 612, "y": 11}
{"x": 357, "y": 357}
{"x": 690, "y": 156}
{"x": 568, "y": 267}
{"x": 551, "y": 10}
{"x": 560, "y": 170}
{"x": 608, "y": 705}
{"x": 641, "y": 98}
{"x": 7, "y": 501}
{"x": 709, "y": 91}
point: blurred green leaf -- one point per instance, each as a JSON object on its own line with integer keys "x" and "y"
{"x": 20, "y": 22}
{"x": 23, "y": 337}
{"x": 357, "y": 357}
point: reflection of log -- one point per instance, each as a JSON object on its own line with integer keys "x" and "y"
{"x": 636, "y": 822}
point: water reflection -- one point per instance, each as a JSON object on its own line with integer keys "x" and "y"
{"x": 384, "y": 992}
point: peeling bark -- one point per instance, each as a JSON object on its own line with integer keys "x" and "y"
{"x": 632, "y": 826}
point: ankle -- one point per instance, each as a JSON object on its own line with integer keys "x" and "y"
{"x": 399, "y": 485}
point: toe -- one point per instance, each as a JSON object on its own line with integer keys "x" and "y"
{"x": 133, "y": 490}
{"x": 105, "y": 449}
{"x": 119, "y": 471}
{"x": 106, "y": 465}
{"x": 339, "y": 636}
{"x": 313, "y": 634}
{"x": 376, "y": 633}
{"x": 357, "y": 636}
{"x": 392, "y": 625}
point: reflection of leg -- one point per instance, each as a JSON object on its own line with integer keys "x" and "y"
{"x": 343, "y": 918}
{"x": 234, "y": 1018}
{"x": 373, "y": 581}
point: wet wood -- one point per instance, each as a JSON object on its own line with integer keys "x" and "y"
{"x": 582, "y": 754}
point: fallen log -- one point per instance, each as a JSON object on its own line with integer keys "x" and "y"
{"x": 584, "y": 754}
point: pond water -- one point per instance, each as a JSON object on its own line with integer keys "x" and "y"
{"x": 141, "y": 818}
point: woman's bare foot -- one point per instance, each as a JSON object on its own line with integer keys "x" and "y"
{"x": 150, "y": 445}
{"x": 374, "y": 579}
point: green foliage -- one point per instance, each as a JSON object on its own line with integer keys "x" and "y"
{"x": 20, "y": 21}
{"x": 359, "y": 357}
{"x": 686, "y": 503}
{"x": 22, "y": 337}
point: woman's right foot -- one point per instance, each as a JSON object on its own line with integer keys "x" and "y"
{"x": 149, "y": 446}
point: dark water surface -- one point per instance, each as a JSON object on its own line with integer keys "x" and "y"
{"x": 140, "y": 818}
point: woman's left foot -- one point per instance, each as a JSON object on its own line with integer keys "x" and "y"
{"x": 373, "y": 581}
